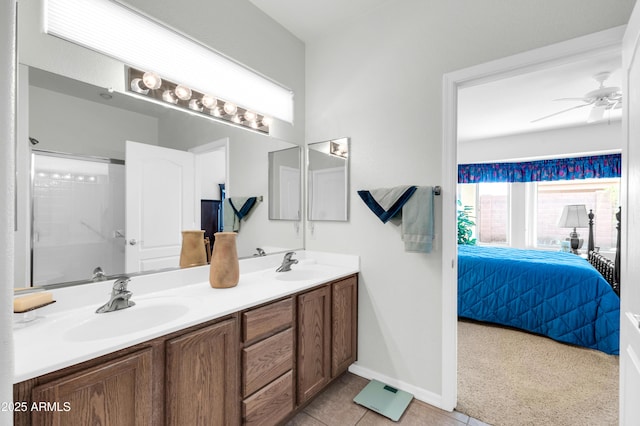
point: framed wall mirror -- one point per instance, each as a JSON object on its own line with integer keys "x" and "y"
{"x": 328, "y": 180}
{"x": 285, "y": 184}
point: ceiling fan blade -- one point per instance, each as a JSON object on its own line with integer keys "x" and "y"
{"x": 559, "y": 112}
{"x": 596, "y": 114}
{"x": 573, "y": 99}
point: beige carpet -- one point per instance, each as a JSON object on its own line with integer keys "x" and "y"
{"x": 509, "y": 377}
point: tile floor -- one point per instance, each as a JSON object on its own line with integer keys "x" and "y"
{"x": 335, "y": 407}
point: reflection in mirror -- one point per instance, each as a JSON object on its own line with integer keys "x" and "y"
{"x": 78, "y": 134}
{"x": 328, "y": 180}
{"x": 78, "y": 217}
{"x": 284, "y": 184}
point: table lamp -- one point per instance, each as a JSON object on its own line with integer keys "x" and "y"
{"x": 574, "y": 216}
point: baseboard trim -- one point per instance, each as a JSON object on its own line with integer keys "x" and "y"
{"x": 423, "y": 395}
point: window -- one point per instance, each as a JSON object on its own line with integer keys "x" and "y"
{"x": 490, "y": 203}
{"x": 526, "y": 215}
{"x": 599, "y": 195}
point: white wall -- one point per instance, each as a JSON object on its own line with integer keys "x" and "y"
{"x": 585, "y": 140}
{"x": 378, "y": 80}
{"x": 68, "y": 124}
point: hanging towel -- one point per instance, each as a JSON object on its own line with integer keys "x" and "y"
{"x": 417, "y": 221}
{"x": 386, "y": 202}
{"x": 236, "y": 209}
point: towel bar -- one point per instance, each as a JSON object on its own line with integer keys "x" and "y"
{"x": 437, "y": 190}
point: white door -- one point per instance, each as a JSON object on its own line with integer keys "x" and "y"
{"x": 159, "y": 190}
{"x": 630, "y": 270}
{"x": 328, "y": 194}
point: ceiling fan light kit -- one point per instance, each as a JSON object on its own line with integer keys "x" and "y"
{"x": 601, "y": 99}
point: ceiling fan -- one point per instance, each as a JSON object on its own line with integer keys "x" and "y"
{"x": 601, "y": 99}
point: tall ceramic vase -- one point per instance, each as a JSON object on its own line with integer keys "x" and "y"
{"x": 224, "y": 271}
{"x": 193, "y": 251}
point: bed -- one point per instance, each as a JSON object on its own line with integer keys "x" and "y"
{"x": 556, "y": 294}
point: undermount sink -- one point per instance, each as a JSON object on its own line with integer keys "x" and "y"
{"x": 146, "y": 314}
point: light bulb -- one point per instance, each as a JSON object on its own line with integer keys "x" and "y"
{"x": 254, "y": 124}
{"x": 208, "y": 101}
{"x": 151, "y": 80}
{"x": 216, "y": 112}
{"x": 266, "y": 121}
{"x": 236, "y": 119}
{"x": 250, "y": 115}
{"x": 183, "y": 92}
{"x": 136, "y": 86}
{"x": 195, "y": 105}
{"x": 230, "y": 108}
{"x": 168, "y": 96}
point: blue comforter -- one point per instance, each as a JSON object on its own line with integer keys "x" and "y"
{"x": 559, "y": 295}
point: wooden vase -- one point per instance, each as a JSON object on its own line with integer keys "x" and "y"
{"x": 193, "y": 251}
{"x": 224, "y": 271}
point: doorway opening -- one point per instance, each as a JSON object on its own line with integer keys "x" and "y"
{"x": 557, "y": 55}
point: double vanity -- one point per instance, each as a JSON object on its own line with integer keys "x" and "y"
{"x": 189, "y": 354}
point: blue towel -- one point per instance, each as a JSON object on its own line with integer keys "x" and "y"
{"x": 386, "y": 202}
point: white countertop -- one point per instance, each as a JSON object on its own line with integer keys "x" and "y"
{"x": 62, "y": 336}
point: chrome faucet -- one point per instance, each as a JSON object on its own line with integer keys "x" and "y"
{"x": 287, "y": 262}
{"x": 119, "y": 297}
{"x": 260, "y": 251}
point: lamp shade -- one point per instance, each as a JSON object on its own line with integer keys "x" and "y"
{"x": 574, "y": 216}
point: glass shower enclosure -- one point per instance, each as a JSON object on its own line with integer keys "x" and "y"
{"x": 78, "y": 217}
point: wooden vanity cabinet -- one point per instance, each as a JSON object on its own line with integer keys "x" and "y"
{"x": 256, "y": 367}
{"x": 314, "y": 340}
{"x": 202, "y": 381}
{"x": 344, "y": 324}
{"x": 327, "y": 335}
{"x": 267, "y": 363}
{"x": 116, "y": 393}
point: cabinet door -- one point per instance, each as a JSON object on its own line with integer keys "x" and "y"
{"x": 344, "y": 324}
{"x": 116, "y": 393}
{"x": 202, "y": 377}
{"x": 314, "y": 340}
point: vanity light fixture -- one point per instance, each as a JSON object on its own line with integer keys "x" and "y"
{"x": 208, "y": 101}
{"x": 195, "y": 105}
{"x": 230, "y": 108}
{"x": 182, "y": 92}
{"x": 182, "y": 96}
{"x": 168, "y": 96}
{"x": 109, "y": 27}
{"x": 151, "y": 80}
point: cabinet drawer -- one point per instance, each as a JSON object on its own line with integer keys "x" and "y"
{"x": 271, "y": 404}
{"x": 266, "y": 360}
{"x": 260, "y": 322}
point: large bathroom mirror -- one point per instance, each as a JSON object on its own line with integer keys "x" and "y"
{"x": 284, "y": 184}
{"x": 80, "y": 140}
{"x": 77, "y": 123}
{"x": 328, "y": 180}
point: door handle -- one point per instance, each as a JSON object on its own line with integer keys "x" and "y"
{"x": 133, "y": 242}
